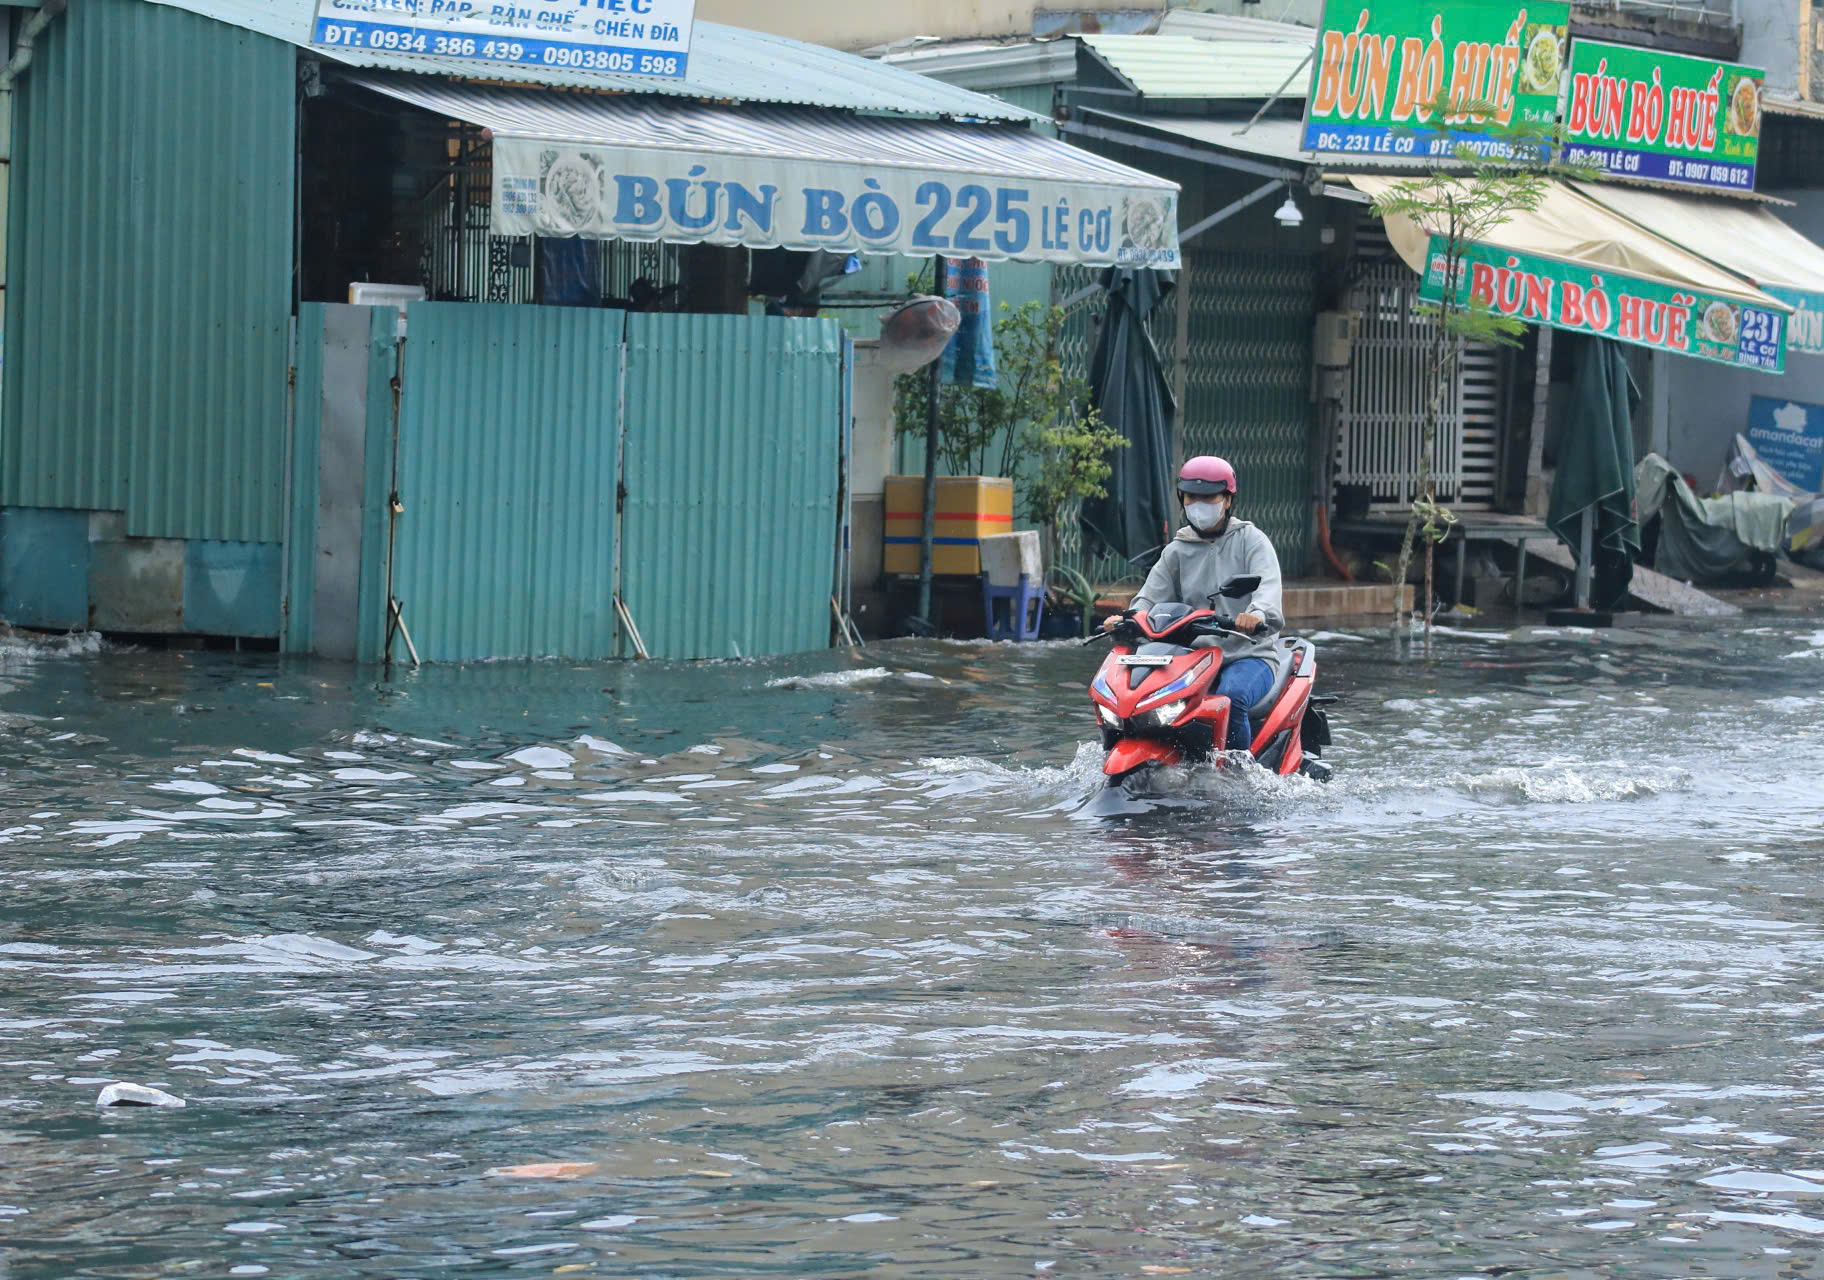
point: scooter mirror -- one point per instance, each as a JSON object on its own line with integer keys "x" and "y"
{"x": 1237, "y": 587}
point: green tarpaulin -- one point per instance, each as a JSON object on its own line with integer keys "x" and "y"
{"x": 1127, "y": 383}
{"x": 1596, "y": 470}
{"x": 1707, "y": 540}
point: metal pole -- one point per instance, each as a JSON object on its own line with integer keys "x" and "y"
{"x": 1279, "y": 91}
{"x": 1585, "y": 538}
{"x": 929, "y": 527}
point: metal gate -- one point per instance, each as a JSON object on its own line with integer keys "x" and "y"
{"x": 1248, "y": 385}
{"x": 1378, "y": 443}
{"x": 1246, "y": 357}
{"x": 548, "y": 459}
{"x": 506, "y": 470}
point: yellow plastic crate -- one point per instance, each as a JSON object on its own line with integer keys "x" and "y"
{"x": 969, "y": 508}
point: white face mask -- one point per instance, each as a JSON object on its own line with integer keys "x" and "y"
{"x": 1205, "y": 516}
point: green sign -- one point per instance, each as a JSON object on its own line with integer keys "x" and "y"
{"x": 1383, "y": 67}
{"x": 1664, "y": 116}
{"x": 1611, "y": 304}
{"x": 1805, "y": 326}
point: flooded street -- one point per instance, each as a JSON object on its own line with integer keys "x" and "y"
{"x": 842, "y": 965}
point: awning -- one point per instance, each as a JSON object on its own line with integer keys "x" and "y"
{"x": 646, "y": 169}
{"x": 1575, "y": 264}
{"x": 1749, "y": 241}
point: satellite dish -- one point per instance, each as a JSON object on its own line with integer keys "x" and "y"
{"x": 915, "y": 332}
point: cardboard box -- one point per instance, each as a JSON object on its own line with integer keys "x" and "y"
{"x": 969, "y": 508}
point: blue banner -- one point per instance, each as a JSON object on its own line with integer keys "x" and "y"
{"x": 1789, "y": 436}
{"x": 969, "y": 359}
{"x": 622, "y": 37}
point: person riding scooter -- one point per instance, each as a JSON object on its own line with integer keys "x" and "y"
{"x": 1212, "y": 549}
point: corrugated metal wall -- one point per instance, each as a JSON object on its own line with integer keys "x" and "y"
{"x": 150, "y": 263}
{"x": 506, "y": 464}
{"x": 733, "y": 451}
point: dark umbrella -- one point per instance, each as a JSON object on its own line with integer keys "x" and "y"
{"x": 1128, "y": 385}
{"x": 1595, "y": 479}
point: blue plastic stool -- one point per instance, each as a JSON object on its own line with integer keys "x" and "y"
{"x": 1025, "y": 608}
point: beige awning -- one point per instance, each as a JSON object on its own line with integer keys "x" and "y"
{"x": 1571, "y": 227}
{"x": 1747, "y": 240}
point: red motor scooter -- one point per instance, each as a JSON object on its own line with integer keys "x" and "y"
{"x": 1156, "y": 703}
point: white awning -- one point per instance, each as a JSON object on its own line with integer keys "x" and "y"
{"x": 1570, "y": 227}
{"x": 646, "y": 169}
{"x": 1750, "y": 241}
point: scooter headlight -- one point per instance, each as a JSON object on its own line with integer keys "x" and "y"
{"x": 1162, "y": 717}
{"x": 1182, "y": 683}
{"x": 1109, "y": 718}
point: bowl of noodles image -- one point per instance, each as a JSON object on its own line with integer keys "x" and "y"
{"x": 1146, "y": 221}
{"x": 1744, "y": 117}
{"x": 571, "y": 193}
{"x": 1719, "y": 323}
{"x": 1544, "y": 58}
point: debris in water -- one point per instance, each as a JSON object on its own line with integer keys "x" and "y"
{"x": 124, "y": 1094}
{"x": 560, "y": 1169}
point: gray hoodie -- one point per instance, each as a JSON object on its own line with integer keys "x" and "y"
{"x": 1191, "y": 568}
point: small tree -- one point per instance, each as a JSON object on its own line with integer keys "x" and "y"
{"x": 1034, "y": 414}
{"x": 1483, "y": 189}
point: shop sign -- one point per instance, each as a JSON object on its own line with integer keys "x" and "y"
{"x": 1805, "y": 326}
{"x": 1790, "y": 438}
{"x": 1611, "y": 304}
{"x": 547, "y": 189}
{"x": 617, "y": 37}
{"x": 1383, "y": 67}
{"x": 1638, "y": 113}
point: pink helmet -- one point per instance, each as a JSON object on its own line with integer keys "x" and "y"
{"x": 1205, "y": 475}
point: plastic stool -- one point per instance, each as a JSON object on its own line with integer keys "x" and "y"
{"x": 1025, "y": 608}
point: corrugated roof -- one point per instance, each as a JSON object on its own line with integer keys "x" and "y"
{"x": 990, "y": 65}
{"x": 1230, "y": 26}
{"x": 1186, "y": 67}
{"x": 726, "y": 63}
{"x": 764, "y": 132}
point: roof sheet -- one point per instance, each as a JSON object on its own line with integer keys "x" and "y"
{"x": 1230, "y": 26}
{"x": 727, "y": 63}
{"x": 1186, "y": 67}
{"x": 764, "y": 132}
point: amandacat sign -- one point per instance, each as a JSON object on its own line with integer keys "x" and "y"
{"x": 1384, "y": 69}
{"x": 1611, "y": 304}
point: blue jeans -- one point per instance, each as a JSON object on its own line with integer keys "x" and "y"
{"x": 1244, "y": 682}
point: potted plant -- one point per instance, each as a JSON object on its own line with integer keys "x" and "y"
{"x": 1034, "y": 426}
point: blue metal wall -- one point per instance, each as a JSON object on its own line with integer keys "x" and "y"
{"x": 506, "y": 469}
{"x": 150, "y": 259}
{"x": 733, "y": 460}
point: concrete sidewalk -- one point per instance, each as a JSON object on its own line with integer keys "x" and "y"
{"x": 1303, "y": 598}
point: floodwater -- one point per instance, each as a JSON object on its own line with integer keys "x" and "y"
{"x": 841, "y": 966}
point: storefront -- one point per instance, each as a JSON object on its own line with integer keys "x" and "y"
{"x": 249, "y": 455}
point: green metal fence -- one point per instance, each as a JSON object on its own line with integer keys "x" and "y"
{"x": 146, "y": 338}
{"x": 734, "y": 439}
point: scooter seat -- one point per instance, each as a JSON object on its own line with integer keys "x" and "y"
{"x": 1290, "y": 661}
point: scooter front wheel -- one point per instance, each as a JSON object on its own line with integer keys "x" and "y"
{"x": 1137, "y": 780}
